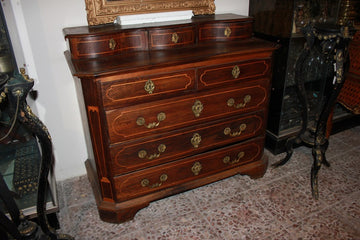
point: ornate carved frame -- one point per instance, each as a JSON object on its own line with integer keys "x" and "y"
{"x": 106, "y": 11}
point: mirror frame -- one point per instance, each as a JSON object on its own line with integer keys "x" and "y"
{"x": 106, "y": 11}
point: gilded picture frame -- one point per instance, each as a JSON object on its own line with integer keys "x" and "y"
{"x": 106, "y": 11}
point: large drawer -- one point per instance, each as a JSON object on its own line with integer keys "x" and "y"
{"x": 145, "y": 88}
{"x": 165, "y": 115}
{"x": 150, "y": 152}
{"x": 199, "y": 166}
{"x": 219, "y": 75}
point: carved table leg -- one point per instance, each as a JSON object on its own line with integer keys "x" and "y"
{"x": 321, "y": 142}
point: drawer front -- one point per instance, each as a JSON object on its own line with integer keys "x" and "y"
{"x": 146, "y": 153}
{"x": 146, "y": 88}
{"x": 170, "y": 38}
{"x": 167, "y": 175}
{"x": 225, "y": 31}
{"x": 165, "y": 115}
{"x": 230, "y": 73}
{"x": 97, "y": 46}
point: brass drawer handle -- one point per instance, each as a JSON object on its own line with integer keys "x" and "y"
{"x": 196, "y": 168}
{"x": 143, "y": 154}
{"x": 235, "y": 71}
{"x": 160, "y": 117}
{"x": 227, "y": 131}
{"x": 197, "y": 108}
{"x": 112, "y": 44}
{"x": 146, "y": 183}
{"x": 231, "y": 102}
{"x": 195, "y": 140}
{"x": 227, "y": 32}
{"x": 149, "y": 86}
{"x": 175, "y": 37}
{"x": 227, "y": 159}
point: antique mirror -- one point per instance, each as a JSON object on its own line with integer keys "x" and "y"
{"x": 106, "y": 11}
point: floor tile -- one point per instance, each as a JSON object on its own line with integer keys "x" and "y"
{"x": 323, "y": 225}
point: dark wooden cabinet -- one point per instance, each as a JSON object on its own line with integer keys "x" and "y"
{"x": 170, "y": 106}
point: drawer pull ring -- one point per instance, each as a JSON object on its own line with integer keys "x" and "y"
{"x": 143, "y": 153}
{"x": 235, "y": 71}
{"x": 112, "y": 44}
{"x": 196, "y": 168}
{"x": 197, "y": 108}
{"x": 227, "y": 32}
{"x": 227, "y": 159}
{"x": 149, "y": 86}
{"x": 175, "y": 37}
{"x": 195, "y": 140}
{"x": 231, "y": 102}
{"x": 160, "y": 117}
{"x": 227, "y": 131}
{"x": 146, "y": 183}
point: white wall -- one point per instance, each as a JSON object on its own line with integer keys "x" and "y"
{"x": 57, "y": 105}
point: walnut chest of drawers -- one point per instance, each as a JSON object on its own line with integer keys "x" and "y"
{"x": 170, "y": 106}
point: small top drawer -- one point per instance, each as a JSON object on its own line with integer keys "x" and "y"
{"x": 110, "y": 44}
{"x": 224, "y": 31}
{"x": 230, "y": 73}
{"x": 171, "y": 38}
{"x": 146, "y": 87}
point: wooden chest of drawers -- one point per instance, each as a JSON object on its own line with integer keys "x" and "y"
{"x": 170, "y": 106}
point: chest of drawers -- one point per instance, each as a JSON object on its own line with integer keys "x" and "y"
{"x": 170, "y": 106}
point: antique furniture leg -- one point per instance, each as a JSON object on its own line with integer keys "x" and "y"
{"x": 321, "y": 142}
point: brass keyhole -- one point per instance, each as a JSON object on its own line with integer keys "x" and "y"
{"x": 112, "y": 44}
{"x": 227, "y": 32}
{"x": 175, "y": 37}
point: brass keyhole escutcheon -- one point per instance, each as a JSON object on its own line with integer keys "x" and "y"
{"x": 197, "y": 108}
{"x": 195, "y": 140}
{"x": 227, "y": 32}
{"x": 149, "y": 86}
{"x": 235, "y": 71}
{"x": 175, "y": 37}
{"x": 112, "y": 44}
{"x": 196, "y": 168}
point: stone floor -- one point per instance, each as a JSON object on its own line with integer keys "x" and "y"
{"x": 277, "y": 206}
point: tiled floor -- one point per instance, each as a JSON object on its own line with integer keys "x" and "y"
{"x": 277, "y": 206}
